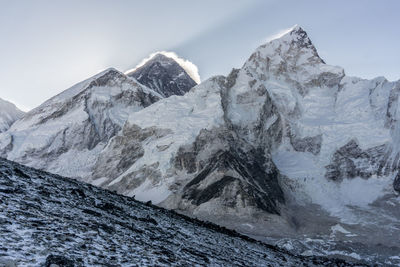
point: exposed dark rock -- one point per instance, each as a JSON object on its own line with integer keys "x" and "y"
{"x": 307, "y": 144}
{"x": 396, "y": 183}
{"x": 58, "y": 260}
{"x": 164, "y": 75}
{"x": 351, "y": 161}
{"x": 391, "y": 110}
{"x": 253, "y": 184}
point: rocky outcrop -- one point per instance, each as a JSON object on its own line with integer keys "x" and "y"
{"x": 310, "y": 144}
{"x": 58, "y": 260}
{"x": 236, "y": 181}
{"x": 229, "y": 176}
{"x": 351, "y": 161}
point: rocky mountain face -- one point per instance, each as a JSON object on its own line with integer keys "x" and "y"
{"x": 66, "y": 132}
{"x": 58, "y": 221}
{"x": 9, "y": 113}
{"x": 197, "y": 163}
{"x": 164, "y": 75}
{"x": 287, "y": 149}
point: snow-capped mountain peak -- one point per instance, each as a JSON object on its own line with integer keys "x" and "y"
{"x": 9, "y": 113}
{"x": 295, "y": 35}
{"x": 298, "y": 35}
{"x": 108, "y": 77}
{"x": 166, "y": 74}
{"x": 291, "y": 57}
{"x": 76, "y": 123}
{"x": 292, "y": 47}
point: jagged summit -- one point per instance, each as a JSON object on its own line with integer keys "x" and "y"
{"x": 300, "y": 37}
{"x": 295, "y": 34}
{"x": 292, "y": 42}
{"x": 292, "y": 57}
{"x": 164, "y": 75}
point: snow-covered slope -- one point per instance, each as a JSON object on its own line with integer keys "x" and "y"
{"x": 164, "y": 75}
{"x": 65, "y": 133}
{"x": 46, "y": 219}
{"x": 9, "y": 113}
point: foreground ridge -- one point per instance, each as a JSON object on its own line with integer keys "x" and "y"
{"x": 46, "y": 219}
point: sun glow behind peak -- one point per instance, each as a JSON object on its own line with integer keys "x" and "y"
{"x": 190, "y": 68}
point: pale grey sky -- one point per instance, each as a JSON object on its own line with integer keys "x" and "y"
{"x": 47, "y": 46}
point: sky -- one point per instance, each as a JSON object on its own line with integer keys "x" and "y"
{"x": 47, "y": 46}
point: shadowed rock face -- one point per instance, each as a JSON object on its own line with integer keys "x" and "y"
{"x": 233, "y": 179}
{"x": 46, "y": 219}
{"x": 164, "y": 75}
{"x": 351, "y": 161}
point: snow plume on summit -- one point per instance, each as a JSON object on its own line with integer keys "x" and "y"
{"x": 280, "y": 33}
{"x": 190, "y": 68}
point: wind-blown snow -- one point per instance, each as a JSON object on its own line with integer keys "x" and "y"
{"x": 280, "y": 33}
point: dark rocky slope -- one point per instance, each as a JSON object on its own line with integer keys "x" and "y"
{"x": 47, "y": 219}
